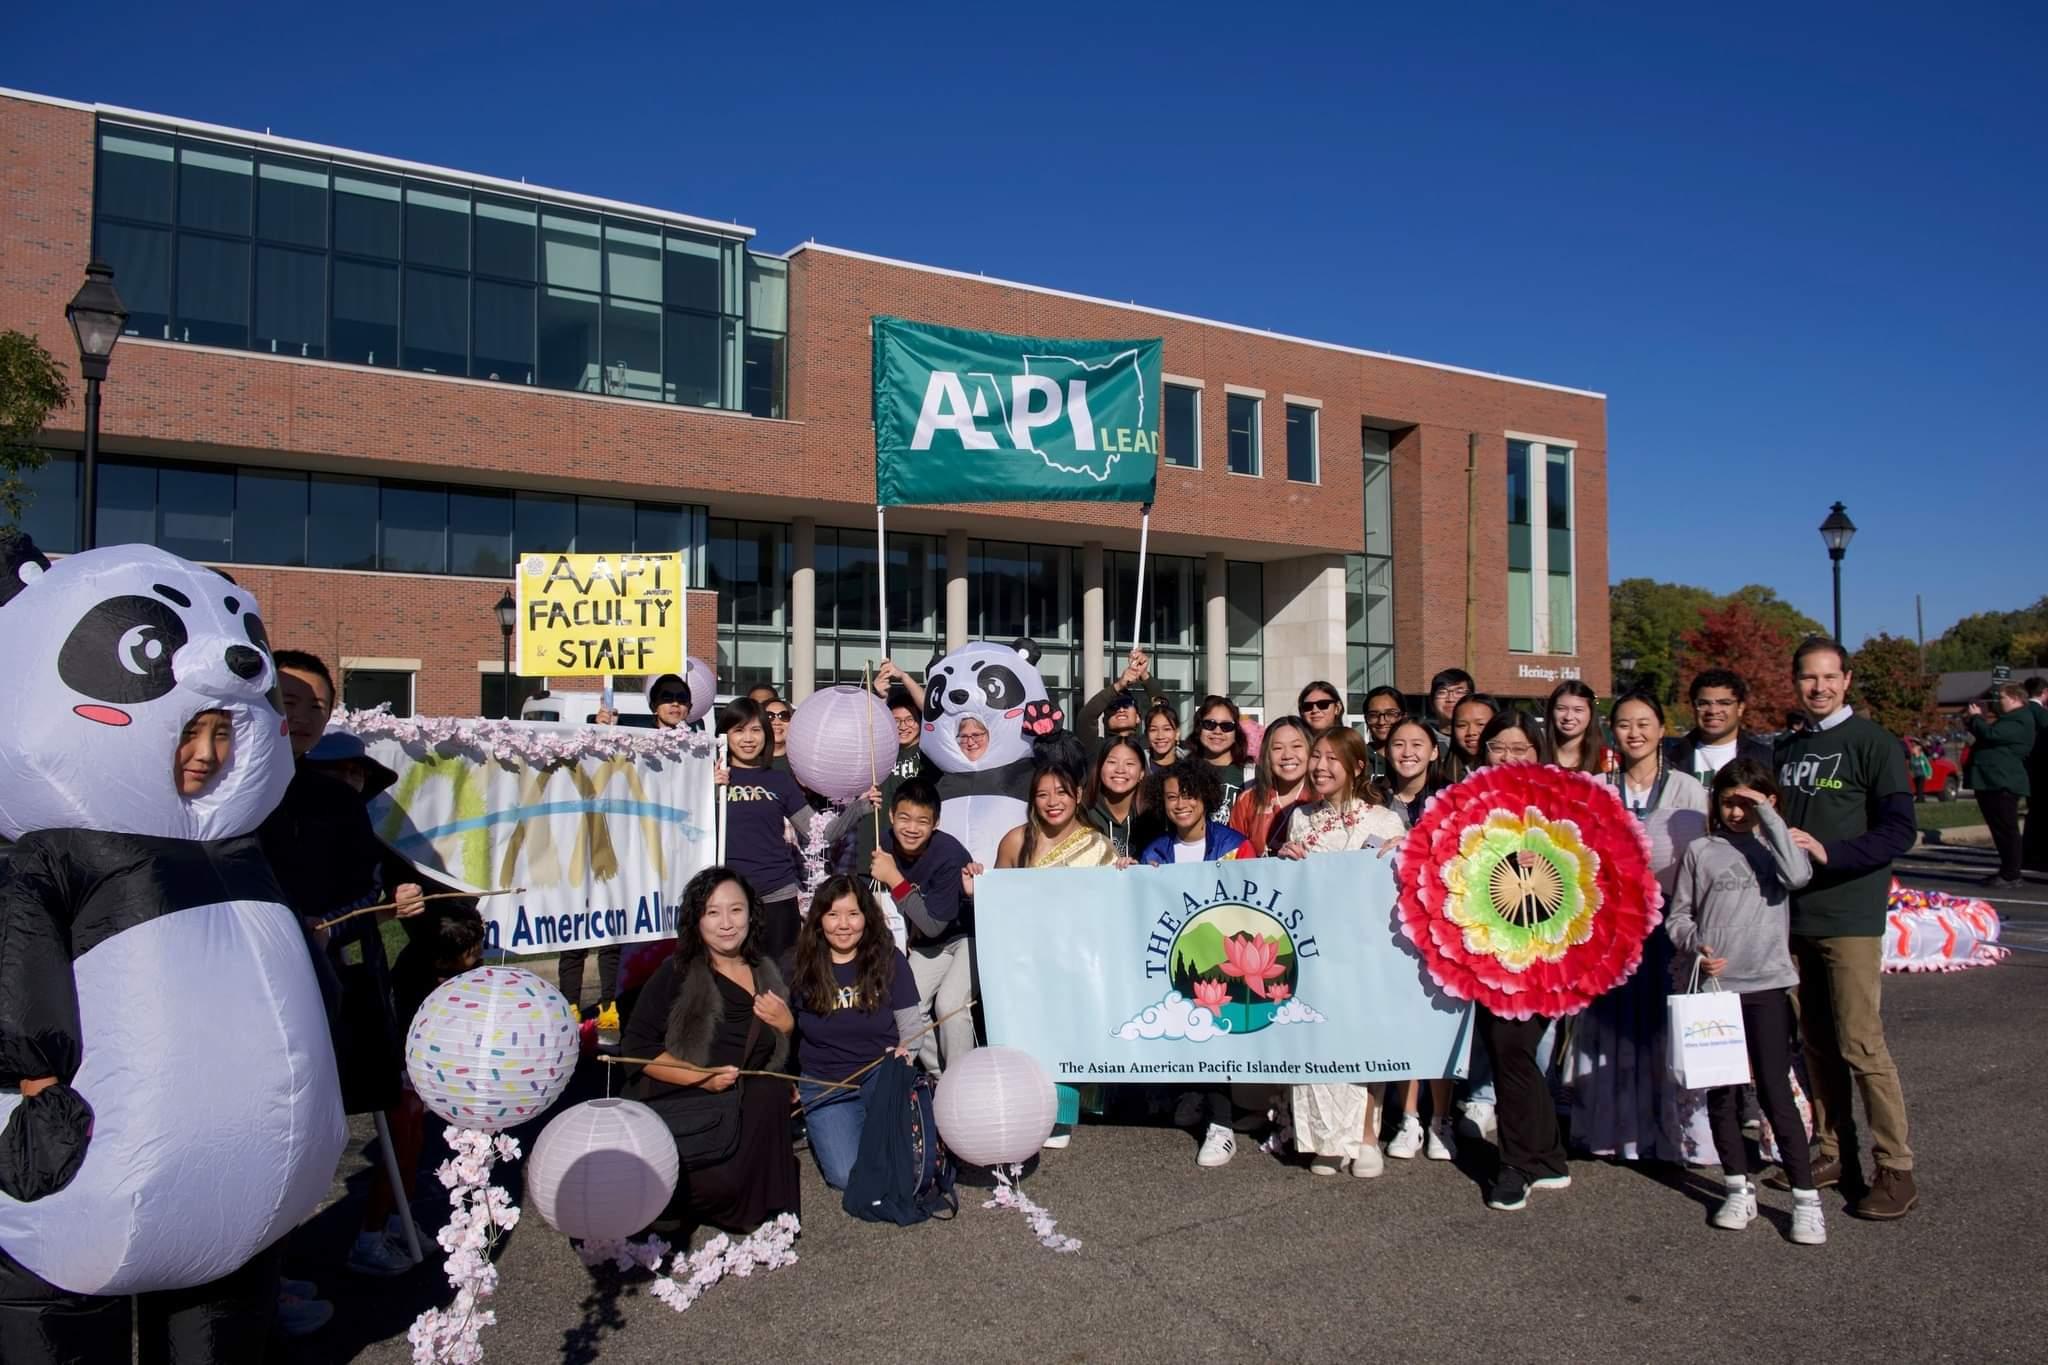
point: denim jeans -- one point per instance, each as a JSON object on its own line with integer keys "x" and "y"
{"x": 833, "y": 1118}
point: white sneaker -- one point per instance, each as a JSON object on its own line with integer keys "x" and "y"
{"x": 1809, "y": 1221}
{"x": 1367, "y": 1164}
{"x": 1326, "y": 1165}
{"x": 1477, "y": 1121}
{"x": 1058, "y": 1141}
{"x": 1738, "y": 1207}
{"x": 373, "y": 1255}
{"x": 1407, "y": 1143}
{"x": 1443, "y": 1146}
{"x": 1219, "y": 1144}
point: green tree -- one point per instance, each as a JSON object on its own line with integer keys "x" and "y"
{"x": 1987, "y": 639}
{"x": 1789, "y": 620}
{"x": 1892, "y": 686}
{"x": 32, "y": 387}
{"x": 1648, "y": 621}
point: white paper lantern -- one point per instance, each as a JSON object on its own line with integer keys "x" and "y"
{"x": 842, "y": 741}
{"x": 491, "y": 1048}
{"x": 603, "y": 1168}
{"x": 703, "y": 687}
{"x": 995, "y": 1106}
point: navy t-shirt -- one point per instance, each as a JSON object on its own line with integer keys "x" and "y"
{"x": 757, "y": 803}
{"x": 833, "y": 1046}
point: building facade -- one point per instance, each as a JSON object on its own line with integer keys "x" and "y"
{"x": 363, "y": 385}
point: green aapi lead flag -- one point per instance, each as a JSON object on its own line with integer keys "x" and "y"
{"x": 982, "y": 417}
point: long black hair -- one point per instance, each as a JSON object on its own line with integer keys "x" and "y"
{"x": 690, "y": 917}
{"x": 1058, "y": 755}
{"x": 1092, "y": 796}
{"x": 874, "y": 957}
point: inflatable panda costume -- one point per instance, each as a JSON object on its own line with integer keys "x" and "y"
{"x": 147, "y": 964}
{"x": 982, "y": 799}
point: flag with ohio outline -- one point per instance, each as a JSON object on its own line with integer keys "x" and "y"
{"x": 964, "y": 416}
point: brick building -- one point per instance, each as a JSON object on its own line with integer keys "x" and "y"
{"x": 363, "y": 384}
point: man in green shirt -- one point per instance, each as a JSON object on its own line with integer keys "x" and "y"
{"x": 1849, "y": 802}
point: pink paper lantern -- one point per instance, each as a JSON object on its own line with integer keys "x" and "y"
{"x": 842, "y": 740}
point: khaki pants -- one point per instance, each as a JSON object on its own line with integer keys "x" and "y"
{"x": 1837, "y": 1000}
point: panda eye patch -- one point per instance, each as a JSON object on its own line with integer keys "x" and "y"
{"x": 1002, "y": 688}
{"x": 121, "y": 651}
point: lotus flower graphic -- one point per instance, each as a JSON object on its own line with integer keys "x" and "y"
{"x": 1211, "y": 995}
{"x": 1253, "y": 960}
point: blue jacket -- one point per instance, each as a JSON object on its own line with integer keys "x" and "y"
{"x": 1218, "y": 841}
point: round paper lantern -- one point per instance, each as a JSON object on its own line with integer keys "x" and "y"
{"x": 1528, "y": 889}
{"x": 703, "y": 685}
{"x": 603, "y": 1168}
{"x": 491, "y": 1048}
{"x": 842, "y": 740}
{"x": 995, "y": 1107}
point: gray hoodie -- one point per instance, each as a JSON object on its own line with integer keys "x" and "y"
{"x": 1734, "y": 895}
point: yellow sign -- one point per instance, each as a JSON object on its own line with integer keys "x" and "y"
{"x": 585, "y": 615}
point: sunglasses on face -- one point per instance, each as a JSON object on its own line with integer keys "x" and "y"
{"x": 1220, "y": 727}
{"x": 780, "y": 715}
{"x": 1320, "y": 704}
{"x": 671, "y": 699}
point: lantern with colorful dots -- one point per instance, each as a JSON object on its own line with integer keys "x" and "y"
{"x": 491, "y": 1048}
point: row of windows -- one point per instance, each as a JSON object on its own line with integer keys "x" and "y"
{"x": 1541, "y": 600}
{"x": 1369, "y": 580}
{"x": 226, "y": 245}
{"x": 1181, "y": 435}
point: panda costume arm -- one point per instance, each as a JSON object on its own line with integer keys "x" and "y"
{"x": 44, "y": 1138}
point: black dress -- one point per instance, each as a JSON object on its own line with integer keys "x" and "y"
{"x": 759, "y": 1179}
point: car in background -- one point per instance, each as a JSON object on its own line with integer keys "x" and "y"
{"x": 1944, "y": 781}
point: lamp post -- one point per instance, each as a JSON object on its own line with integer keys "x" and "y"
{"x": 96, "y": 315}
{"x": 1627, "y": 664}
{"x": 508, "y": 618}
{"x": 1836, "y": 532}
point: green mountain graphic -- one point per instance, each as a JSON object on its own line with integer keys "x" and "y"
{"x": 1198, "y": 950}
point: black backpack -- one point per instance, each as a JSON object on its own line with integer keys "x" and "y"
{"x": 903, "y": 1173}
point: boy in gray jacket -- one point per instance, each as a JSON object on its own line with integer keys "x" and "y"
{"x": 1731, "y": 908}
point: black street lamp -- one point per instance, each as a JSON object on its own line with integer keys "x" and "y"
{"x": 1836, "y": 531}
{"x": 1627, "y": 664}
{"x": 96, "y": 316}
{"x": 508, "y": 619}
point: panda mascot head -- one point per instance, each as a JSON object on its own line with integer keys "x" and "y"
{"x": 109, "y": 654}
{"x": 997, "y": 686}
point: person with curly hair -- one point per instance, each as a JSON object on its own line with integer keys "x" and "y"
{"x": 1189, "y": 795}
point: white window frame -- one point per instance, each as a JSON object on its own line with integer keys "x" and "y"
{"x": 1258, "y": 431}
{"x": 1314, "y": 407}
{"x": 1540, "y": 449}
{"x": 1195, "y": 387}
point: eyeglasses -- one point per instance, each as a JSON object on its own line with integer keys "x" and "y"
{"x": 1320, "y": 704}
{"x": 1715, "y": 703}
{"x": 671, "y": 699}
{"x": 1497, "y": 750}
{"x": 780, "y": 715}
{"x": 1383, "y": 715}
{"x": 1220, "y": 727}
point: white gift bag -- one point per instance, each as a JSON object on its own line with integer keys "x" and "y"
{"x": 1707, "y": 1043}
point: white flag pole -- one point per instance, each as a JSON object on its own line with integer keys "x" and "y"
{"x": 1138, "y": 614}
{"x": 882, "y": 574}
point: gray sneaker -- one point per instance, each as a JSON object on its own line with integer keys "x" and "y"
{"x": 302, "y": 1317}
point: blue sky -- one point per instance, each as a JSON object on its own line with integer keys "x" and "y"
{"x": 1799, "y": 247}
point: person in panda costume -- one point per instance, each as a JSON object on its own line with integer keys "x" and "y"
{"x": 169, "y": 1107}
{"x": 995, "y": 694}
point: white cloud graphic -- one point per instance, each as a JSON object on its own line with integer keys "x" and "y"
{"x": 1175, "y": 1018}
{"x": 1295, "y": 1012}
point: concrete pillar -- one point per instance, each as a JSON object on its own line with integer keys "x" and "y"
{"x": 1305, "y": 627}
{"x": 1091, "y": 619}
{"x": 957, "y": 609}
{"x": 803, "y": 608}
{"x": 1216, "y": 622}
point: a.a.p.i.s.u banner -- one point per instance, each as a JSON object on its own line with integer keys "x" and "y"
{"x": 1255, "y": 970}
{"x": 982, "y": 417}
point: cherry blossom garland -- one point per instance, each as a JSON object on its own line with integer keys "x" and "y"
{"x": 1009, "y": 1196}
{"x": 478, "y": 1212}
{"x": 538, "y": 746}
{"x": 772, "y": 1246}
{"x": 816, "y": 851}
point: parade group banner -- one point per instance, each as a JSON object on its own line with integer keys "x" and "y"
{"x": 603, "y": 845}
{"x": 982, "y": 417}
{"x": 1255, "y": 970}
{"x": 586, "y": 615}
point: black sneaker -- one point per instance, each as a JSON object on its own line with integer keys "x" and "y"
{"x": 1510, "y": 1191}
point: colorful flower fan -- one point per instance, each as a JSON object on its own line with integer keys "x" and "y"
{"x": 1529, "y": 890}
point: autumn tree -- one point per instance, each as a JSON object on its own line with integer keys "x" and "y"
{"x": 31, "y": 388}
{"x": 1737, "y": 635}
{"x": 1892, "y": 686}
{"x": 1648, "y": 619}
{"x": 1989, "y": 638}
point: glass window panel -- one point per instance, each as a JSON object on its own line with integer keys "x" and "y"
{"x": 632, "y": 349}
{"x": 1248, "y": 680}
{"x": 1176, "y": 674}
{"x": 135, "y": 171}
{"x": 366, "y": 214}
{"x": 690, "y": 272}
{"x": 1563, "y": 639}
{"x": 502, "y": 344}
{"x": 1379, "y": 507}
{"x": 753, "y": 659}
{"x": 436, "y": 226}
{"x": 125, "y": 498}
{"x": 291, "y": 301}
{"x": 1243, "y": 414}
{"x": 341, "y": 522}
{"x": 291, "y": 201}
{"x": 914, "y": 577}
{"x": 1170, "y": 601}
{"x": 731, "y": 365}
{"x": 270, "y": 517}
{"x": 749, "y": 571}
{"x": 1519, "y": 547}
{"x": 505, "y": 232}
{"x": 415, "y": 528}
{"x": 632, "y": 261}
{"x": 1558, "y": 490}
{"x": 690, "y": 359}
{"x": 543, "y": 522}
{"x": 659, "y": 528}
{"x": 479, "y": 533}
{"x": 1521, "y": 609}
{"x": 767, "y": 294}
{"x": 197, "y": 507}
{"x": 1518, "y": 483}
{"x": 569, "y": 252}
{"x": 1559, "y": 545}
{"x": 493, "y": 690}
{"x": 363, "y": 689}
{"x": 141, "y": 261}
{"x": 730, "y": 274}
{"x": 213, "y": 291}
{"x": 365, "y": 329}
{"x": 1245, "y": 600}
{"x": 436, "y": 322}
{"x": 1379, "y": 600}
{"x": 51, "y": 517}
{"x": 603, "y": 526}
{"x": 568, "y": 341}
{"x": 853, "y": 581}
{"x": 764, "y": 374}
{"x": 1301, "y": 443}
{"x": 1183, "y": 417}
{"x": 1046, "y": 590}
{"x": 1003, "y": 611}
{"x": 214, "y": 188}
